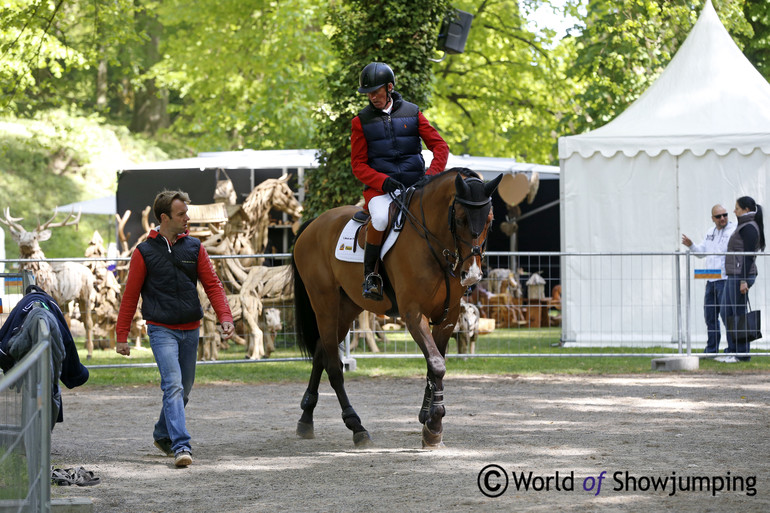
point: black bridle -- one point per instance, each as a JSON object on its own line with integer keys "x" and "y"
{"x": 452, "y": 259}
{"x": 476, "y": 231}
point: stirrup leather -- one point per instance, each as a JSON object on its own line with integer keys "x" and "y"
{"x": 373, "y": 287}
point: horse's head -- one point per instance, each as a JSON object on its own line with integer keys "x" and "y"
{"x": 469, "y": 219}
{"x": 282, "y": 197}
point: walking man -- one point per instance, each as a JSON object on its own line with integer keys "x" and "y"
{"x": 165, "y": 270}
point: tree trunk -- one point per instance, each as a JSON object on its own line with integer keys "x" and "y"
{"x": 150, "y": 103}
{"x": 101, "y": 84}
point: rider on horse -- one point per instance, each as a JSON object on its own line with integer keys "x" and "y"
{"x": 386, "y": 156}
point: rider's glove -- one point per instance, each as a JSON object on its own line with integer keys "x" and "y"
{"x": 391, "y": 185}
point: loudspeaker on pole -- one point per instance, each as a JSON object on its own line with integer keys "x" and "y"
{"x": 454, "y": 31}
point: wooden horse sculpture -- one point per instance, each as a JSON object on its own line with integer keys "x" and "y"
{"x": 437, "y": 255}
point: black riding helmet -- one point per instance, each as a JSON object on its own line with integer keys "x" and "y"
{"x": 375, "y": 75}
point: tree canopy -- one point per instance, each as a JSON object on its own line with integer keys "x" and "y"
{"x": 261, "y": 74}
{"x": 401, "y": 33}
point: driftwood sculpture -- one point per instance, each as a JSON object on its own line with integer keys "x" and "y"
{"x": 247, "y": 285}
{"x": 501, "y": 299}
{"x": 272, "y": 194}
{"x": 65, "y": 281}
{"x": 248, "y": 288}
{"x": 125, "y": 250}
{"x": 107, "y": 291}
{"x": 369, "y": 328}
{"x": 270, "y": 322}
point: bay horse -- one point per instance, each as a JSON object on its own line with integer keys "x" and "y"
{"x": 435, "y": 258}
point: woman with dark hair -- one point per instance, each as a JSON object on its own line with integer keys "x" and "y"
{"x": 749, "y": 236}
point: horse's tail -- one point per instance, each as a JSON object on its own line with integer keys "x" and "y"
{"x": 304, "y": 316}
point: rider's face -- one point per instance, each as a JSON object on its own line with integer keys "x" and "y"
{"x": 379, "y": 98}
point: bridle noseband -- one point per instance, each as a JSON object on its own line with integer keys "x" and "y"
{"x": 477, "y": 250}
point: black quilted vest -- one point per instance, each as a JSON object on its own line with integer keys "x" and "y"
{"x": 393, "y": 140}
{"x": 169, "y": 294}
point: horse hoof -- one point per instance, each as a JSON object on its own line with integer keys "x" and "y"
{"x": 305, "y": 430}
{"x": 431, "y": 440}
{"x": 362, "y": 439}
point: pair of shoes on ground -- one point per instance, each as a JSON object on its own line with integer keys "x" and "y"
{"x": 726, "y": 359}
{"x": 73, "y": 476}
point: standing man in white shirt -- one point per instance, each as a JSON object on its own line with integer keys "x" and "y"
{"x": 715, "y": 241}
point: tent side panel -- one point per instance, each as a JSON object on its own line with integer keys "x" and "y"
{"x": 619, "y": 205}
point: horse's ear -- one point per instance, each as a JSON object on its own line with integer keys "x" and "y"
{"x": 462, "y": 188}
{"x": 490, "y": 186}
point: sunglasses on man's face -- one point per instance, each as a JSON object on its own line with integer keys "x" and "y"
{"x": 719, "y": 215}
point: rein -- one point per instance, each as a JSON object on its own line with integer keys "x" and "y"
{"x": 447, "y": 265}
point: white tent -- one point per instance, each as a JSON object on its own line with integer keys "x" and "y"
{"x": 700, "y": 135}
{"x": 100, "y": 206}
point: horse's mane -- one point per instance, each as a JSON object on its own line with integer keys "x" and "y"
{"x": 464, "y": 171}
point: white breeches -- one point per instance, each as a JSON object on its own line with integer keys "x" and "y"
{"x": 378, "y": 209}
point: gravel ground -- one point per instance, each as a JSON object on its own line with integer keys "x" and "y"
{"x": 703, "y": 429}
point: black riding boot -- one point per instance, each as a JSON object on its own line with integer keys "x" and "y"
{"x": 372, "y": 280}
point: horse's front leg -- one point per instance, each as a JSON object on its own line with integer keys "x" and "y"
{"x": 432, "y": 410}
{"x": 432, "y": 425}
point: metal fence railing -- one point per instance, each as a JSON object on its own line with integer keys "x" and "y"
{"x": 25, "y": 431}
{"x": 548, "y": 304}
{"x": 25, "y": 415}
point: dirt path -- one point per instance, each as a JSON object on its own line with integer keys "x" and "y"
{"x": 247, "y": 457}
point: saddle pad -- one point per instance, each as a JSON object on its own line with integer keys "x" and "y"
{"x": 346, "y": 244}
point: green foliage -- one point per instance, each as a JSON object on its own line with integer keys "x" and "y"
{"x": 756, "y": 45}
{"x": 43, "y": 42}
{"x": 401, "y": 33}
{"x": 250, "y": 80}
{"x": 59, "y": 158}
{"x": 269, "y": 75}
{"x": 498, "y": 98}
{"x": 624, "y": 47}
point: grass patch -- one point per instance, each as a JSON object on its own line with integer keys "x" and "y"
{"x": 529, "y": 342}
{"x": 13, "y": 477}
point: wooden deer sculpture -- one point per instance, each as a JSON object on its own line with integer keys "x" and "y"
{"x": 64, "y": 281}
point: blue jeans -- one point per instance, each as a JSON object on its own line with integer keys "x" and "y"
{"x": 734, "y": 303}
{"x": 712, "y": 311}
{"x": 176, "y": 352}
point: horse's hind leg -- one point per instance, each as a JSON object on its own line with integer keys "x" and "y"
{"x": 361, "y": 437}
{"x": 310, "y": 398}
{"x": 332, "y": 327}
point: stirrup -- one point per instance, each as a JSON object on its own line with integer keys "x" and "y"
{"x": 373, "y": 287}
